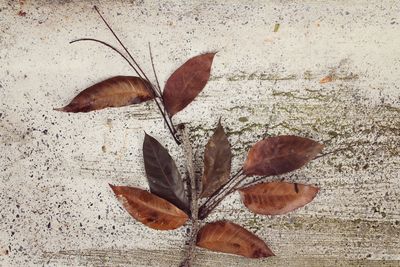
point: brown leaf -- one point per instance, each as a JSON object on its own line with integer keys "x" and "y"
{"x": 163, "y": 175}
{"x": 326, "y": 79}
{"x": 280, "y": 154}
{"x": 227, "y": 237}
{"x": 277, "y": 197}
{"x": 187, "y": 82}
{"x": 149, "y": 209}
{"x": 217, "y": 162}
{"x": 118, "y": 91}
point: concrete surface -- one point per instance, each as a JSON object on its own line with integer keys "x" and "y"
{"x": 56, "y": 206}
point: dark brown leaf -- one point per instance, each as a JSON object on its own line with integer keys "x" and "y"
{"x": 149, "y": 209}
{"x": 163, "y": 176}
{"x": 114, "y": 92}
{"x": 187, "y": 82}
{"x": 280, "y": 154}
{"x": 217, "y": 162}
{"x": 227, "y": 237}
{"x": 277, "y": 197}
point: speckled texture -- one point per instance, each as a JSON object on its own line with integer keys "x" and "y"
{"x": 57, "y": 208}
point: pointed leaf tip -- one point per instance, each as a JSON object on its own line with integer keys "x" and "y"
{"x": 149, "y": 209}
{"x": 280, "y": 154}
{"x": 117, "y": 91}
{"x": 187, "y": 82}
{"x": 227, "y": 237}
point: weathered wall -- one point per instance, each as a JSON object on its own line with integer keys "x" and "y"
{"x": 56, "y": 206}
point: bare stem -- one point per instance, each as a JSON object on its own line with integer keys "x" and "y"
{"x": 143, "y": 75}
{"x": 159, "y": 88}
{"x": 120, "y": 42}
{"x": 220, "y": 194}
{"x": 258, "y": 179}
{"x": 221, "y": 189}
{"x": 194, "y": 204}
{"x": 110, "y": 46}
{"x": 154, "y": 71}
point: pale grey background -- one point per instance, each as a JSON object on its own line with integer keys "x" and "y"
{"x": 56, "y": 206}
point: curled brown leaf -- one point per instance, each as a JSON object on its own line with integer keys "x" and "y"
{"x": 114, "y": 92}
{"x": 276, "y": 198}
{"x": 186, "y": 82}
{"x": 149, "y": 209}
{"x": 227, "y": 237}
{"x": 280, "y": 154}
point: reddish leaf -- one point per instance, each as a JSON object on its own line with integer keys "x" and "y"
{"x": 217, "y": 162}
{"x": 227, "y": 237}
{"x": 149, "y": 209}
{"x": 277, "y": 197}
{"x": 187, "y": 82}
{"x": 163, "y": 176}
{"x": 280, "y": 154}
{"x": 114, "y": 92}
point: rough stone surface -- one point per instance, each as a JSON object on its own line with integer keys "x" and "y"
{"x": 56, "y": 206}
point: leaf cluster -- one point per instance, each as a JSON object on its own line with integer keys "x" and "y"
{"x": 167, "y": 206}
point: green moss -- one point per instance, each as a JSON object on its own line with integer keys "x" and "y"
{"x": 331, "y": 116}
{"x": 242, "y": 76}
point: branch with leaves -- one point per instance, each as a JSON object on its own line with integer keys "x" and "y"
{"x": 171, "y": 202}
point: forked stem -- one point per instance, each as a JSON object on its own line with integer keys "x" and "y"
{"x": 142, "y": 75}
{"x": 221, "y": 193}
{"x": 149, "y": 87}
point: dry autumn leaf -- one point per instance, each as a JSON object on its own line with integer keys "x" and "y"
{"x": 187, "y": 82}
{"x": 217, "y": 162}
{"x": 326, "y": 79}
{"x": 280, "y": 154}
{"x": 227, "y": 237}
{"x": 277, "y": 197}
{"x": 163, "y": 175}
{"x": 114, "y": 92}
{"x": 149, "y": 209}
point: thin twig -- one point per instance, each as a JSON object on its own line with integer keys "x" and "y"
{"x": 167, "y": 118}
{"x": 110, "y": 46}
{"x": 158, "y": 84}
{"x": 119, "y": 41}
{"x": 204, "y": 213}
{"x": 154, "y": 71}
{"x": 220, "y": 195}
{"x": 258, "y": 179}
{"x": 222, "y": 188}
{"x": 190, "y": 255}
